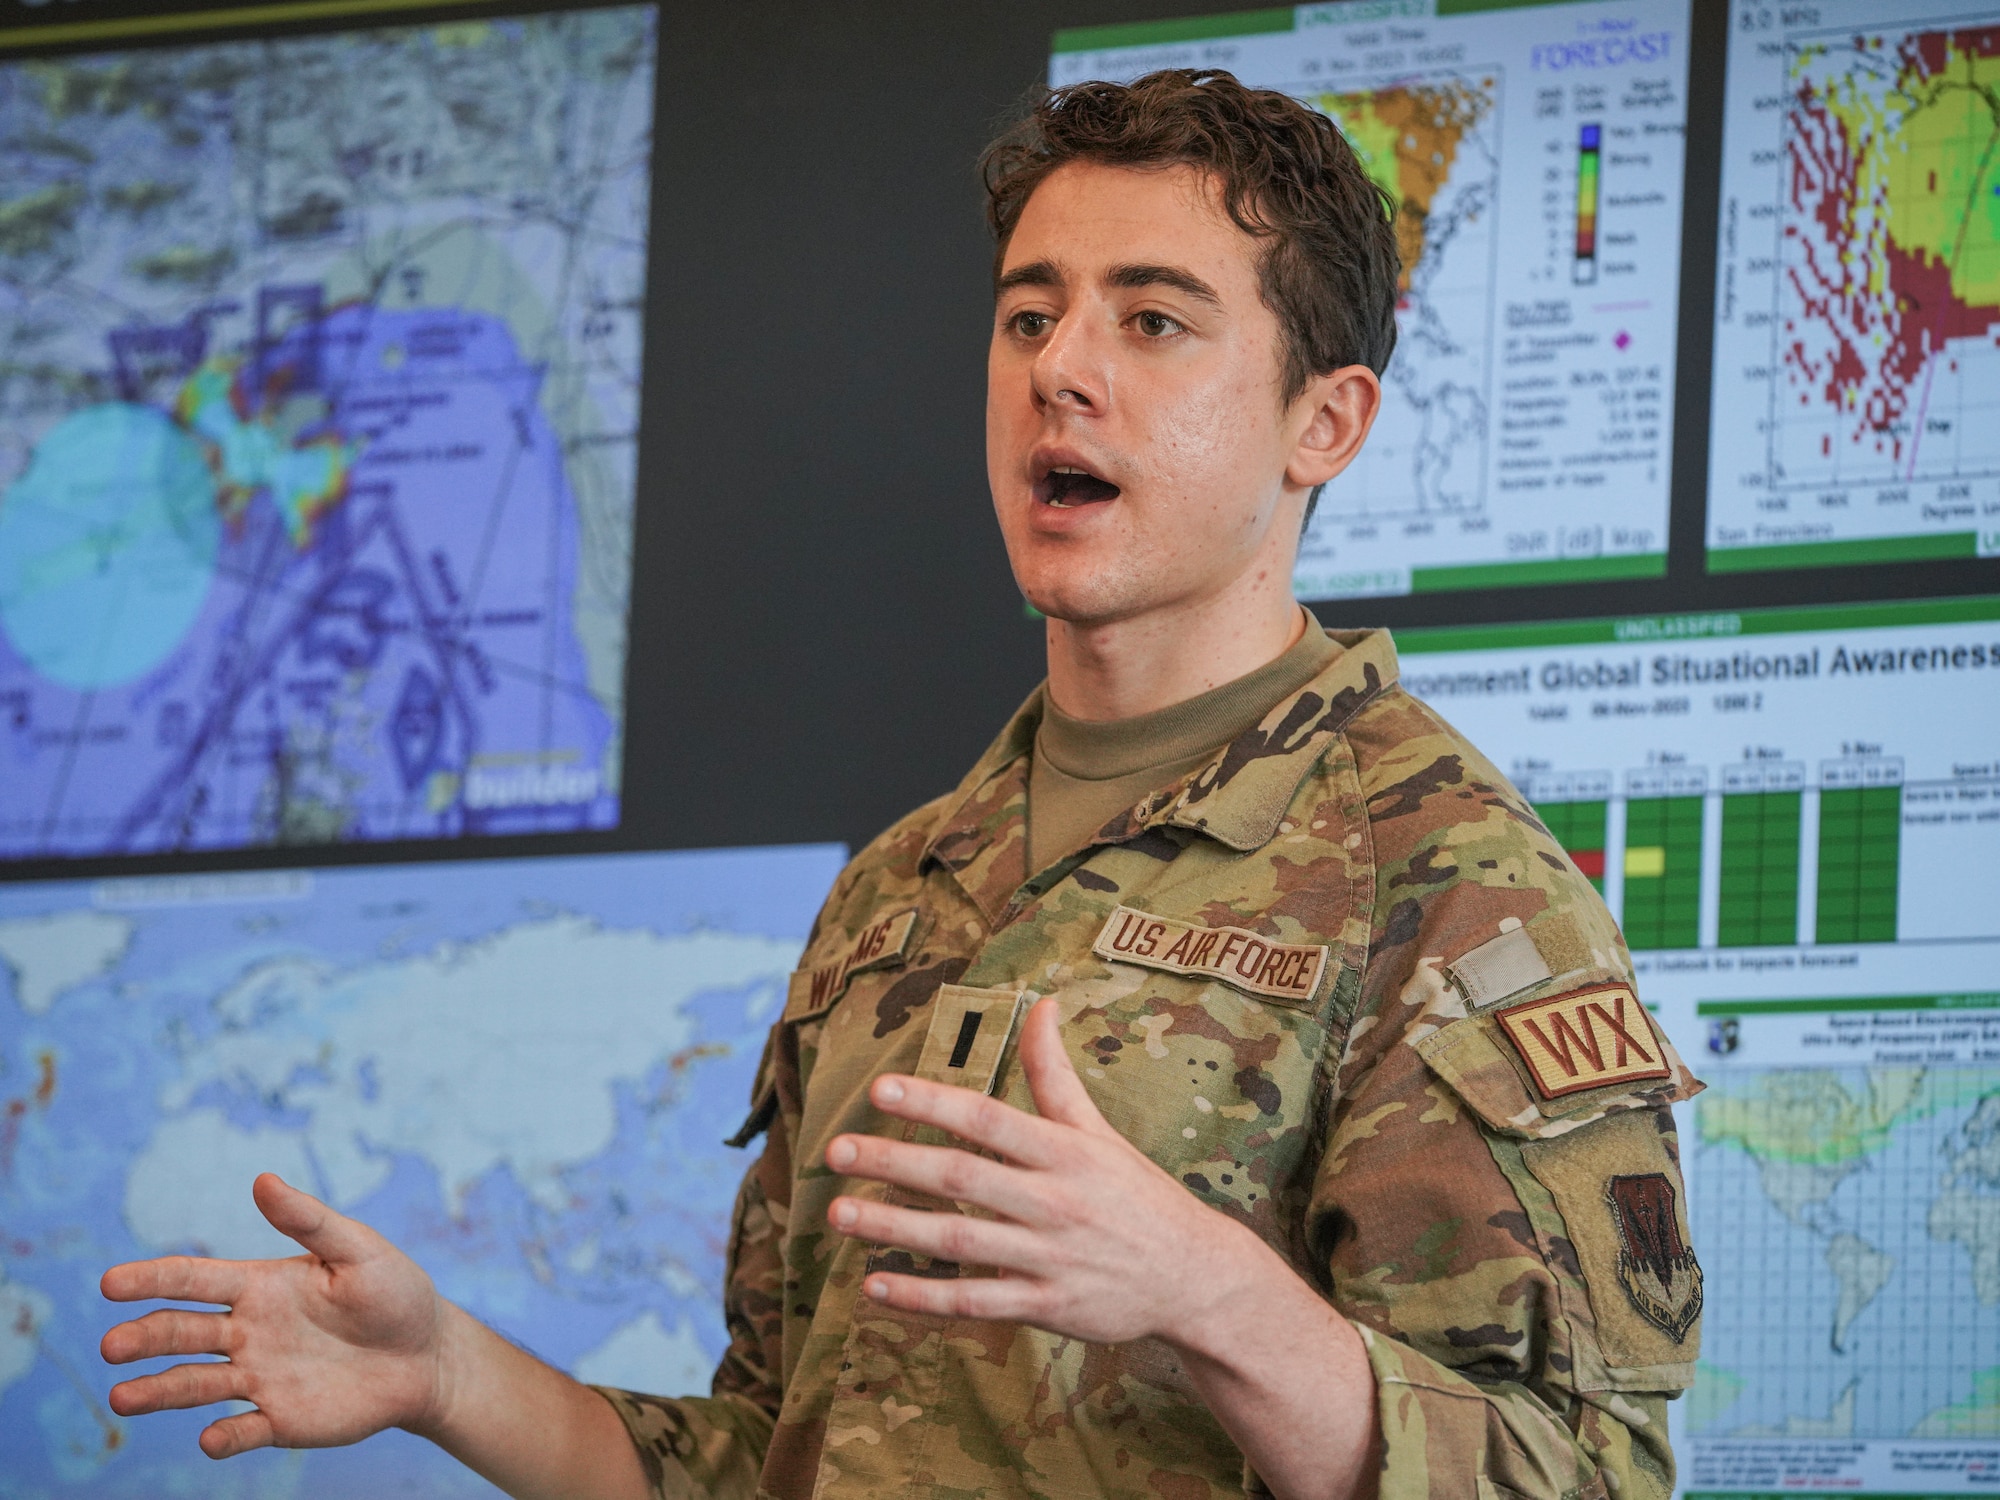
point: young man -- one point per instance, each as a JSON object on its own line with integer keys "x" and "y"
{"x": 1229, "y": 1086}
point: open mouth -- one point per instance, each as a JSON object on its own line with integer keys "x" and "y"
{"x": 1068, "y": 486}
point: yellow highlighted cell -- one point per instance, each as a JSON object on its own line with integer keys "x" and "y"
{"x": 1646, "y": 862}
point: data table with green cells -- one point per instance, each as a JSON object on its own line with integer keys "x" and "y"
{"x": 1860, "y": 856}
{"x": 1580, "y": 828}
{"x": 1760, "y": 869}
{"x": 1662, "y": 872}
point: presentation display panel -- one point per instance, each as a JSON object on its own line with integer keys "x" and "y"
{"x": 519, "y": 1071}
{"x": 1796, "y": 815}
{"x": 1535, "y": 153}
{"x": 318, "y": 434}
{"x": 1856, "y": 411}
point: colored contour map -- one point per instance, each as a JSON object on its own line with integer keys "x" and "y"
{"x": 1407, "y": 137}
{"x": 1892, "y": 228}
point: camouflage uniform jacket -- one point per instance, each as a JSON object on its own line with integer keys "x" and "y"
{"x": 1343, "y": 985}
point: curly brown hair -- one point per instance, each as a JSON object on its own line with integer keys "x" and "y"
{"x": 1287, "y": 176}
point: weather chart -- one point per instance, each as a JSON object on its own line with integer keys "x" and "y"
{"x": 1857, "y": 345}
{"x": 1535, "y": 157}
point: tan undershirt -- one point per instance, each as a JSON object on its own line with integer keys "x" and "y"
{"x": 1086, "y": 771}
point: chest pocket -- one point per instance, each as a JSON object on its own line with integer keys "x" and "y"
{"x": 883, "y": 944}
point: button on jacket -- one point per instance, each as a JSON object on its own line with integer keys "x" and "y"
{"x": 1344, "y": 986}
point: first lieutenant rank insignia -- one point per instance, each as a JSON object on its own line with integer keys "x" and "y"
{"x": 1240, "y": 959}
{"x": 1587, "y": 1039}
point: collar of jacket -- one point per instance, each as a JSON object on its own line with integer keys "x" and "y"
{"x": 1237, "y": 798}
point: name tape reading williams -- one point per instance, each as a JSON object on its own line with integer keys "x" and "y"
{"x": 876, "y": 946}
{"x": 1284, "y": 971}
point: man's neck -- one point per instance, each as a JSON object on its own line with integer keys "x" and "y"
{"x": 1122, "y": 668}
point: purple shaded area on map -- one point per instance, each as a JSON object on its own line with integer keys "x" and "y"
{"x": 400, "y": 663}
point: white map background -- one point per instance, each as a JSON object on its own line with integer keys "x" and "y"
{"x": 521, "y": 1071}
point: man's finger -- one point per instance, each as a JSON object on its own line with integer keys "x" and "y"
{"x": 238, "y": 1434}
{"x": 941, "y": 1171}
{"x": 176, "y": 1389}
{"x": 333, "y": 1237}
{"x": 177, "y": 1278}
{"x": 169, "y": 1331}
{"x": 1013, "y": 1133}
{"x": 987, "y": 1298}
{"x": 1059, "y": 1093}
{"x": 943, "y": 1235}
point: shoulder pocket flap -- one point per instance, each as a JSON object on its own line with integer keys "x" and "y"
{"x": 1542, "y": 1069}
{"x": 882, "y": 944}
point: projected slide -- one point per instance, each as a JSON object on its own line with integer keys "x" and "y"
{"x": 1856, "y": 412}
{"x": 1797, "y": 816}
{"x": 1535, "y": 154}
{"x": 520, "y": 1071}
{"x": 317, "y": 434}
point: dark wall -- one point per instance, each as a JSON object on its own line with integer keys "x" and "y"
{"x": 824, "y": 632}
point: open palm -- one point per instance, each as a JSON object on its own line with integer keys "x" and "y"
{"x": 329, "y": 1346}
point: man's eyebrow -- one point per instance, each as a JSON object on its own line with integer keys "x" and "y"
{"x": 1132, "y": 276}
{"x": 1034, "y": 273}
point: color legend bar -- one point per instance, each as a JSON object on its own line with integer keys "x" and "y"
{"x": 1588, "y": 154}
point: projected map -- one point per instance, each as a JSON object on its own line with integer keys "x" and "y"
{"x": 520, "y": 1071}
{"x": 1534, "y": 156}
{"x": 319, "y": 364}
{"x": 1857, "y": 373}
{"x": 1850, "y": 1228}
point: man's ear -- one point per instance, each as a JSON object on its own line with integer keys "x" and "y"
{"x": 1337, "y": 409}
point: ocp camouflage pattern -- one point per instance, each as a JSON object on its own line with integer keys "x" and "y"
{"x": 1379, "y": 1134}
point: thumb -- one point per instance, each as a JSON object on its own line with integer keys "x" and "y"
{"x": 1059, "y": 1093}
{"x": 333, "y": 1237}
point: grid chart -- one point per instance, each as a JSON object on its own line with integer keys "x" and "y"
{"x": 1761, "y": 816}
{"x": 1860, "y": 850}
{"x": 1575, "y": 807}
{"x": 1833, "y": 1211}
{"x": 1663, "y": 858}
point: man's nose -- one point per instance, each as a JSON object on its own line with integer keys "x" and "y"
{"x": 1070, "y": 371}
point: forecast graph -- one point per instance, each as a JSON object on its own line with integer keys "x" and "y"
{"x": 318, "y": 434}
{"x": 1857, "y": 355}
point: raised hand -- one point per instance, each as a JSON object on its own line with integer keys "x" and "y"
{"x": 330, "y": 1346}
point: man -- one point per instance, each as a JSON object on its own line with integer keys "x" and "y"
{"x": 1229, "y": 1086}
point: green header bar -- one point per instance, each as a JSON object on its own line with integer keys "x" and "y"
{"x": 1187, "y": 29}
{"x": 1530, "y": 574}
{"x": 1871, "y": 1002}
{"x": 117, "y": 28}
{"x": 1877, "y": 549}
{"x": 1667, "y": 630}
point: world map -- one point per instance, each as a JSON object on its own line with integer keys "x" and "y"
{"x": 1849, "y": 1224}
{"x": 520, "y": 1071}
{"x": 319, "y": 372}
{"x": 1889, "y": 276}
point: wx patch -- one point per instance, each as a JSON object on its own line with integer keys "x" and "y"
{"x": 1589, "y": 1039}
{"x": 1656, "y": 1268}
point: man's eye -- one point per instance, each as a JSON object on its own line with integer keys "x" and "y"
{"x": 1030, "y": 325}
{"x": 1157, "y": 325}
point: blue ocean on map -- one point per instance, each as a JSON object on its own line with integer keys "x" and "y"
{"x": 521, "y": 1071}
{"x": 318, "y": 450}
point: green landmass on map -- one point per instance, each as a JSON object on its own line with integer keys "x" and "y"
{"x": 1408, "y": 138}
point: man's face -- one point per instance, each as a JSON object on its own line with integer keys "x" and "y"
{"x": 1136, "y": 440}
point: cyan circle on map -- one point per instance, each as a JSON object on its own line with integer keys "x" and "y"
{"x": 107, "y": 546}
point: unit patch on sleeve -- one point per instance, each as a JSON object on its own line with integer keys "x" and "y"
{"x": 1588, "y": 1039}
{"x": 1283, "y": 971}
{"x": 1655, "y": 1266}
{"x": 879, "y": 945}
